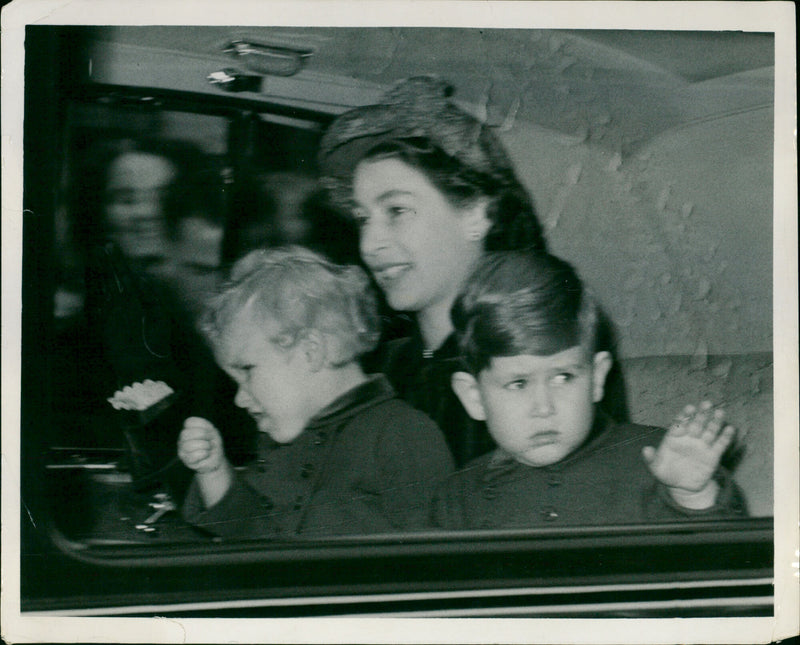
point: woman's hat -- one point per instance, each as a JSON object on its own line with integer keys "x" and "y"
{"x": 418, "y": 107}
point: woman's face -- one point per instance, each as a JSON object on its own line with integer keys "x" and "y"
{"x": 419, "y": 247}
{"x": 134, "y": 208}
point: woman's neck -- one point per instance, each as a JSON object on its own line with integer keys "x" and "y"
{"x": 434, "y": 322}
{"x": 435, "y": 325}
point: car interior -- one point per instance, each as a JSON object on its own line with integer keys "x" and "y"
{"x": 649, "y": 157}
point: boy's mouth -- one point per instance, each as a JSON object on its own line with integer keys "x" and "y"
{"x": 544, "y": 438}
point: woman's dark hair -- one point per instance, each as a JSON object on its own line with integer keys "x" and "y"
{"x": 511, "y": 210}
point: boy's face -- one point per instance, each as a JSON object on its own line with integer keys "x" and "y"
{"x": 539, "y": 409}
{"x": 274, "y": 383}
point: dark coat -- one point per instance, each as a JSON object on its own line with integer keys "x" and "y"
{"x": 367, "y": 463}
{"x": 425, "y": 383}
{"x": 606, "y": 481}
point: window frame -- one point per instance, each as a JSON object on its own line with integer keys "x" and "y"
{"x": 469, "y": 562}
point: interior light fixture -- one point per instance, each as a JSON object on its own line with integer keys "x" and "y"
{"x": 269, "y": 60}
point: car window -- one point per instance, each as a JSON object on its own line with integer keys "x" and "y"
{"x": 158, "y": 191}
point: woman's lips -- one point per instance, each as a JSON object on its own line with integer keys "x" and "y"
{"x": 389, "y": 273}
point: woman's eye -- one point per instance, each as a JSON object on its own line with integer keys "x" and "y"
{"x": 398, "y": 211}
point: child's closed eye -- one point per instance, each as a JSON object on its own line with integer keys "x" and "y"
{"x": 241, "y": 371}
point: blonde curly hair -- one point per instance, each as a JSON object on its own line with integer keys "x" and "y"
{"x": 300, "y": 290}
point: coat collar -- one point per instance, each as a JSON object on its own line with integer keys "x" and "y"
{"x": 448, "y": 350}
{"x": 374, "y": 390}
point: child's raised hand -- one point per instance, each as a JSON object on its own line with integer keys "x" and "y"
{"x": 691, "y": 451}
{"x": 200, "y": 446}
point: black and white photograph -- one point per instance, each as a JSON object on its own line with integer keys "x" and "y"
{"x": 325, "y": 321}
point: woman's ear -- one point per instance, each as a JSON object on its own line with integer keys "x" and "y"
{"x": 602, "y": 365}
{"x": 466, "y": 388}
{"x": 476, "y": 222}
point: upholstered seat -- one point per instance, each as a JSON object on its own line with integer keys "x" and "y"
{"x": 659, "y": 386}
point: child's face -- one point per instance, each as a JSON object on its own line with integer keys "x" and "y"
{"x": 273, "y": 381}
{"x": 539, "y": 409}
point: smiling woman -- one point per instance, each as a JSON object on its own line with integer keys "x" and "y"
{"x": 433, "y": 190}
{"x": 290, "y": 480}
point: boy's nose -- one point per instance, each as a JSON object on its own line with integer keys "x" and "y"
{"x": 541, "y": 404}
{"x": 242, "y": 398}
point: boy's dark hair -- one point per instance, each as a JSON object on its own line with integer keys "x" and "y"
{"x": 522, "y": 302}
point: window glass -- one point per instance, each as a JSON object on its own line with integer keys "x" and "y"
{"x": 157, "y": 203}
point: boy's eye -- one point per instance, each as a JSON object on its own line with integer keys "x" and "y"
{"x": 563, "y": 378}
{"x": 518, "y": 384}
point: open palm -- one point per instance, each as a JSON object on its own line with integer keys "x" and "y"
{"x": 691, "y": 450}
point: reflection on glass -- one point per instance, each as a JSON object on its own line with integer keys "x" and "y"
{"x": 182, "y": 209}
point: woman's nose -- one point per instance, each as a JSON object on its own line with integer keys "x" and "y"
{"x": 373, "y": 237}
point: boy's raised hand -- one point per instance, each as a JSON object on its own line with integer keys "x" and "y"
{"x": 200, "y": 446}
{"x": 690, "y": 453}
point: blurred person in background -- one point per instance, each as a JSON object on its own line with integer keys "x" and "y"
{"x": 141, "y": 250}
{"x": 288, "y": 208}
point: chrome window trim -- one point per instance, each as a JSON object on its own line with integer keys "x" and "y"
{"x": 463, "y": 594}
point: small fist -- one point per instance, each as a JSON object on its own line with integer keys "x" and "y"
{"x": 690, "y": 452}
{"x": 200, "y": 446}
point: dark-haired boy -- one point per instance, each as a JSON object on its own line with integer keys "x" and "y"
{"x": 526, "y": 328}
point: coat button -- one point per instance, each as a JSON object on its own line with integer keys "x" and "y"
{"x": 553, "y": 481}
{"x": 298, "y": 503}
{"x": 307, "y": 471}
{"x": 261, "y": 465}
{"x": 321, "y": 438}
{"x": 549, "y": 514}
{"x": 489, "y": 492}
{"x": 266, "y": 502}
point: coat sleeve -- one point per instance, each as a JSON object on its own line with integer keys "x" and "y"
{"x": 659, "y": 506}
{"x": 413, "y": 460}
{"x": 448, "y": 509}
{"x": 241, "y": 513}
